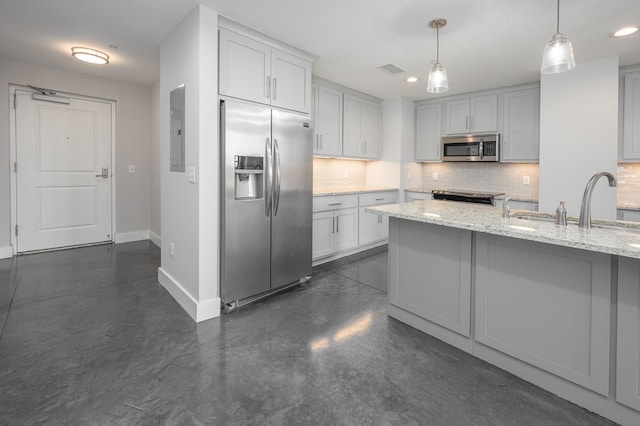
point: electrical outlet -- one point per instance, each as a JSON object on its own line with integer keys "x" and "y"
{"x": 171, "y": 250}
{"x": 191, "y": 173}
{"x": 434, "y": 176}
{"x": 525, "y": 180}
{"x": 132, "y": 168}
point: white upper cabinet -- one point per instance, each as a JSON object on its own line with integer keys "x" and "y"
{"x": 361, "y": 128}
{"x": 428, "y": 132}
{"x": 327, "y": 115}
{"x": 471, "y": 115}
{"x": 258, "y": 72}
{"x": 521, "y": 125}
{"x": 245, "y": 66}
{"x": 631, "y": 117}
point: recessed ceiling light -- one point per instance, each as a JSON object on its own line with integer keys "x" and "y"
{"x": 626, "y": 31}
{"x": 92, "y": 56}
{"x": 412, "y": 79}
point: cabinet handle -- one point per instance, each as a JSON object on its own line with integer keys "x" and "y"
{"x": 317, "y": 143}
{"x": 365, "y": 147}
{"x": 333, "y": 225}
{"x": 338, "y": 225}
{"x": 379, "y": 199}
{"x": 321, "y": 144}
{"x": 275, "y": 88}
{"x": 379, "y": 218}
{"x": 268, "y": 88}
{"x": 334, "y": 204}
{"x": 471, "y": 122}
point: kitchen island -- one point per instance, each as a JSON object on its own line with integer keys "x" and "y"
{"x": 556, "y": 305}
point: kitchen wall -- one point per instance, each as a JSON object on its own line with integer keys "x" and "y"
{"x": 579, "y": 135}
{"x": 493, "y": 177}
{"x": 189, "y": 209}
{"x": 133, "y": 136}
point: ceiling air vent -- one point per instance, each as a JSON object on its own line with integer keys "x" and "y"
{"x": 390, "y": 69}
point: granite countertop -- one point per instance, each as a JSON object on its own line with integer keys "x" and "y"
{"x": 347, "y": 190}
{"x": 487, "y": 219}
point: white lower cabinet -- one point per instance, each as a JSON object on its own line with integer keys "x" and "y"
{"x": 415, "y": 195}
{"x": 628, "y": 363}
{"x": 341, "y": 226}
{"x": 546, "y": 305}
{"x": 334, "y": 231}
{"x": 430, "y": 278}
{"x": 335, "y": 224}
{"x": 373, "y": 227}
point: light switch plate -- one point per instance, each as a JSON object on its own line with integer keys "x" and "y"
{"x": 191, "y": 174}
{"x": 525, "y": 180}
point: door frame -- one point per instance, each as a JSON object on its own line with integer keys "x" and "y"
{"x": 13, "y": 152}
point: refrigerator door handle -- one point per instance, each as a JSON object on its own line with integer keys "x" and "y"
{"x": 276, "y": 167}
{"x": 268, "y": 178}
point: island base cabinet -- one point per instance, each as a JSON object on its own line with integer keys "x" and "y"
{"x": 430, "y": 281}
{"x": 628, "y": 347}
{"x": 546, "y": 305}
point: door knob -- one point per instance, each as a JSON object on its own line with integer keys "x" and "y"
{"x": 105, "y": 172}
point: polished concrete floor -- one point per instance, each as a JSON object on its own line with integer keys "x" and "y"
{"x": 90, "y": 338}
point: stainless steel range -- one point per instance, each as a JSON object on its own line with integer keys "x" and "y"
{"x": 466, "y": 196}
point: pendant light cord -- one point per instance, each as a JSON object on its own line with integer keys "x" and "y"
{"x": 438, "y": 44}
{"x": 558, "y": 18}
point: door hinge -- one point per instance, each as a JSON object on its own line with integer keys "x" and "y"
{"x": 15, "y": 167}
{"x": 16, "y": 230}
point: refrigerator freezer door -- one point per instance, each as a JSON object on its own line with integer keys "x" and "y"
{"x": 292, "y": 138}
{"x": 246, "y": 228}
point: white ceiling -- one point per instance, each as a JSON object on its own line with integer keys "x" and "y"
{"x": 486, "y": 44}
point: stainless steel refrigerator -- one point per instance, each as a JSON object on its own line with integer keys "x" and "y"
{"x": 267, "y": 184}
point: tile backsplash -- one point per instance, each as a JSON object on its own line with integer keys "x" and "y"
{"x": 628, "y": 185}
{"x": 329, "y": 172}
{"x": 492, "y": 177}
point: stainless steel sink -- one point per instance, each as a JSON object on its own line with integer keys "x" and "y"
{"x": 617, "y": 226}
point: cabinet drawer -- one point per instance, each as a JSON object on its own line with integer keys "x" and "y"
{"x": 334, "y": 202}
{"x": 376, "y": 198}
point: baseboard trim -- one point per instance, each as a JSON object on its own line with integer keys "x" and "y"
{"x": 155, "y": 239}
{"x": 198, "y": 311}
{"x": 128, "y": 237}
{"x": 6, "y": 252}
{"x": 336, "y": 256}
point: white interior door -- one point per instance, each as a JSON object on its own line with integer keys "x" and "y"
{"x": 64, "y": 173}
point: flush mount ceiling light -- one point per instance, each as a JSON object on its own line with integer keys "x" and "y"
{"x": 92, "y": 56}
{"x": 411, "y": 79}
{"x": 625, "y": 31}
{"x": 558, "y": 53}
{"x": 438, "y": 82}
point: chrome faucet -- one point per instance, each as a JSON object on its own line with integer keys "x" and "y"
{"x": 585, "y": 208}
{"x": 505, "y": 206}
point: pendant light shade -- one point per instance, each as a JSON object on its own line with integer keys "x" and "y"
{"x": 438, "y": 81}
{"x": 558, "y": 53}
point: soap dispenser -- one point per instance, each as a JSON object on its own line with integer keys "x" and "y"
{"x": 561, "y": 215}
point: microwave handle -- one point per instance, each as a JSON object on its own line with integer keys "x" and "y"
{"x": 481, "y": 149}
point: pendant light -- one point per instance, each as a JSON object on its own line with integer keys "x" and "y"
{"x": 438, "y": 82}
{"x": 558, "y": 53}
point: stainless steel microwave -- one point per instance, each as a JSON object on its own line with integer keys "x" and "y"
{"x": 484, "y": 147}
